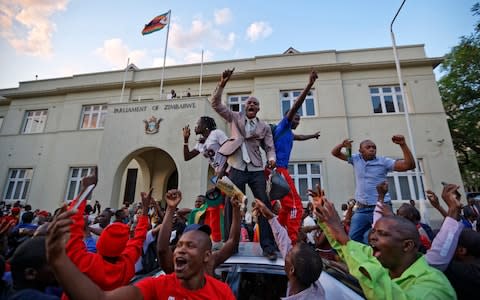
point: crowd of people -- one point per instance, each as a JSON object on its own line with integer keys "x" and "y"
{"x": 83, "y": 252}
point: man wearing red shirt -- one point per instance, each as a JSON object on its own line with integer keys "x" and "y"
{"x": 189, "y": 280}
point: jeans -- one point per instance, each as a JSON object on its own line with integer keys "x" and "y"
{"x": 257, "y": 183}
{"x": 361, "y": 224}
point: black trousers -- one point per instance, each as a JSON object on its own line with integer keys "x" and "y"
{"x": 257, "y": 183}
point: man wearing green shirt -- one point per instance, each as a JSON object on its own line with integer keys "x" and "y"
{"x": 390, "y": 267}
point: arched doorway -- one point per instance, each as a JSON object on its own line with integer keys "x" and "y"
{"x": 145, "y": 168}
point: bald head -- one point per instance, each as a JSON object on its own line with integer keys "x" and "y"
{"x": 405, "y": 228}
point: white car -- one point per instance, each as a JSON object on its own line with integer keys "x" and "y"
{"x": 252, "y": 276}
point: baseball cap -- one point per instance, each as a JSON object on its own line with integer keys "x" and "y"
{"x": 200, "y": 227}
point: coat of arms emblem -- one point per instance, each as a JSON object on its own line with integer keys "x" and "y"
{"x": 152, "y": 125}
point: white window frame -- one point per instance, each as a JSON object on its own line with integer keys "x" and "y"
{"x": 34, "y": 121}
{"x": 291, "y": 95}
{"x": 396, "y": 95}
{"x": 76, "y": 180}
{"x": 411, "y": 180}
{"x": 309, "y": 176}
{"x": 237, "y": 99}
{"x": 18, "y": 181}
{"x": 100, "y": 110}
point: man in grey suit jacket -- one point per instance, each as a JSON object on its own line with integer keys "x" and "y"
{"x": 248, "y": 134}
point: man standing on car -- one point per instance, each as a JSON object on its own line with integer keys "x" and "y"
{"x": 248, "y": 134}
{"x": 370, "y": 170}
{"x": 290, "y": 214}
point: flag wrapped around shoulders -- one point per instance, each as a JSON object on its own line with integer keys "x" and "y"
{"x": 158, "y": 23}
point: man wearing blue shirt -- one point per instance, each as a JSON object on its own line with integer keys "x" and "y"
{"x": 290, "y": 214}
{"x": 370, "y": 170}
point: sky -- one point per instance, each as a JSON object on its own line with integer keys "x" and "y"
{"x": 59, "y": 38}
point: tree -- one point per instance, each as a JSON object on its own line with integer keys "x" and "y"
{"x": 460, "y": 91}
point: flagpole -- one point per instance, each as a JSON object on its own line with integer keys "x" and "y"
{"x": 201, "y": 76}
{"x": 165, "y": 54}
{"x": 124, "y": 79}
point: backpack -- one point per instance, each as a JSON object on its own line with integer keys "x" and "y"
{"x": 149, "y": 258}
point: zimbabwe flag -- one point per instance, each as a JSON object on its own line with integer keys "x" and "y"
{"x": 157, "y": 23}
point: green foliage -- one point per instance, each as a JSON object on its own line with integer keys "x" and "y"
{"x": 460, "y": 91}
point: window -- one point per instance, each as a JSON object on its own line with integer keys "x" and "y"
{"x": 93, "y": 116}
{"x": 34, "y": 121}
{"x": 237, "y": 102}
{"x": 386, "y": 99}
{"x": 306, "y": 175}
{"x": 1, "y": 122}
{"x": 74, "y": 177}
{"x": 403, "y": 185}
{"x": 17, "y": 184}
{"x": 287, "y": 98}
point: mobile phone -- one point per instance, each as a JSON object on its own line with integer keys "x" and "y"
{"x": 84, "y": 195}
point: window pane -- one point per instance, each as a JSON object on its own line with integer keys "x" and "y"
{"x": 302, "y": 188}
{"x": 10, "y": 190}
{"x": 87, "y": 108}
{"x": 25, "y": 189}
{"x": 377, "y": 106}
{"x": 374, "y": 90}
{"x": 404, "y": 189}
{"x": 86, "y": 117}
{"x": 315, "y": 168}
{"x": 302, "y": 169}
{"x": 21, "y": 174}
{"x": 71, "y": 190}
{"x": 93, "y": 123}
{"x": 310, "y": 107}
{"x": 102, "y": 120}
{"x": 13, "y": 174}
{"x": 18, "y": 189}
{"x": 391, "y": 188}
{"x": 285, "y": 106}
{"x": 397, "y": 89}
{"x": 400, "y": 103}
{"x": 389, "y": 104}
{"x": 233, "y": 99}
{"x": 75, "y": 172}
{"x": 387, "y": 90}
{"x": 84, "y": 172}
{"x": 290, "y": 169}
{"x": 235, "y": 107}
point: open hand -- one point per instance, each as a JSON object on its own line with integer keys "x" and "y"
{"x": 90, "y": 179}
{"x": 318, "y": 196}
{"x": 146, "y": 200}
{"x": 382, "y": 190}
{"x": 450, "y": 195}
{"x": 186, "y": 133}
{"x": 328, "y": 215}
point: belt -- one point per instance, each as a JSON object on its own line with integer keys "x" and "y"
{"x": 361, "y": 205}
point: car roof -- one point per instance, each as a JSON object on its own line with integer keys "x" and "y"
{"x": 252, "y": 253}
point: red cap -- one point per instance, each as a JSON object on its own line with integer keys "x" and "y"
{"x": 15, "y": 210}
{"x": 113, "y": 240}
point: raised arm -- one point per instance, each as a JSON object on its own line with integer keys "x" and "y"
{"x": 231, "y": 244}
{"x": 299, "y": 101}
{"x": 165, "y": 255}
{"x": 445, "y": 242}
{"x": 408, "y": 162}
{"x": 381, "y": 209}
{"x": 337, "y": 150}
{"x": 133, "y": 249}
{"x": 217, "y": 104}
{"x": 187, "y": 154}
{"x": 304, "y": 137}
{"x": 75, "y": 283}
{"x": 435, "y": 203}
{"x": 279, "y": 232}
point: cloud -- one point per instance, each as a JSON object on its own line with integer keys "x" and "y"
{"x": 26, "y": 24}
{"x": 258, "y": 30}
{"x": 116, "y": 53}
{"x": 222, "y": 16}
{"x": 200, "y": 34}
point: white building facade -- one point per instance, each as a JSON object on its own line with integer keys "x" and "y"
{"x": 54, "y": 131}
